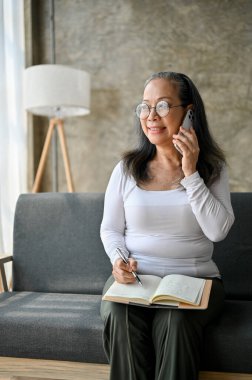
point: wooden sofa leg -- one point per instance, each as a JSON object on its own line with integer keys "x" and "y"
{"x": 3, "y": 281}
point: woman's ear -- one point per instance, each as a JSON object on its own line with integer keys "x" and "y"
{"x": 189, "y": 107}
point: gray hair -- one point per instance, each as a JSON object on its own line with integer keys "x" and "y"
{"x": 184, "y": 83}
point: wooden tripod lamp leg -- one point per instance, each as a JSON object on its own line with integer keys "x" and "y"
{"x": 69, "y": 179}
{"x": 43, "y": 157}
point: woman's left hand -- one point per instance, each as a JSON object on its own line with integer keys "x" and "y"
{"x": 187, "y": 141}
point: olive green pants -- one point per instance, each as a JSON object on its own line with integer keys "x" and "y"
{"x": 144, "y": 343}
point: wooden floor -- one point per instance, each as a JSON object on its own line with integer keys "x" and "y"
{"x": 31, "y": 369}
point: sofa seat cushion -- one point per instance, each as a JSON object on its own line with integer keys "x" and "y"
{"x": 228, "y": 342}
{"x": 51, "y": 326}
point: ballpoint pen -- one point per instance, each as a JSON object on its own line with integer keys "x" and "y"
{"x": 126, "y": 261}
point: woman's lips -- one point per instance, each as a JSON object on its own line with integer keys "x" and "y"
{"x": 156, "y": 130}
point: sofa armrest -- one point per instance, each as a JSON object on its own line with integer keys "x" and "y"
{"x": 3, "y": 260}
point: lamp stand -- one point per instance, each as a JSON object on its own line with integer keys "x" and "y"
{"x": 60, "y": 129}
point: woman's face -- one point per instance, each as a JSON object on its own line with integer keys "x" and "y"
{"x": 159, "y": 130}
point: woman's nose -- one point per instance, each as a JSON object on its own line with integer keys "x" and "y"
{"x": 153, "y": 113}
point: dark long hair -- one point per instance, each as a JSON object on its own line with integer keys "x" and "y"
{"x": 211, "y": 157}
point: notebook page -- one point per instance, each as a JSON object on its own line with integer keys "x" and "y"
{"x": 182, "y": 287}
{"x": 134, "y": 290}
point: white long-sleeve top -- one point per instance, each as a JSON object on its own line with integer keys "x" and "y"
{"x": 167, "y": 231}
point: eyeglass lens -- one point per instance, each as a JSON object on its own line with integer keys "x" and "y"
{"x": 143, "y": 110}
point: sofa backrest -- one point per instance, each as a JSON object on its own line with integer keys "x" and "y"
{"x": 234, "y": 254}
{"x": 57, "y": 246}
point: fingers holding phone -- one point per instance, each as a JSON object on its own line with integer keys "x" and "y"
{"x": 186, "y": 125}
{"x": 186, "y": 143}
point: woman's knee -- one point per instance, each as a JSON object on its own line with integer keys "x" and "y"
{"x": 113, "y": 311}
{"x": 173, "y": 320}
{"x": 179, "y": 319}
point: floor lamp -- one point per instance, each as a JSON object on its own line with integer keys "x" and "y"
{"x": 58, "y": 92}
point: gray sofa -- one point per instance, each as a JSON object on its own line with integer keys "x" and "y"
{"x": 60, "y": 267}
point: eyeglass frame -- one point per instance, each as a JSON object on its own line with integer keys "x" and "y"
{"x": 155, "y": 107}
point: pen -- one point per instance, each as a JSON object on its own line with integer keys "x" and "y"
{"x": 126, "y": 261}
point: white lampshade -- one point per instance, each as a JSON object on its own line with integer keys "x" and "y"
{"x": 56, "y": 91}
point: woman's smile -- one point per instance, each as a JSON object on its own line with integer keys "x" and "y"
{"x": 156, "y": 129}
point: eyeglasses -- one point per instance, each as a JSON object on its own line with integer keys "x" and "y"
{"x": 162, "y": 108}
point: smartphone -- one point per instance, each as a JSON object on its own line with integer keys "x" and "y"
{"x": 188, "y": 120}
{"x": 187, "y": 124}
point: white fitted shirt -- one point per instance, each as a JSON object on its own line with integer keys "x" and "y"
{"x": 169, "y": 231}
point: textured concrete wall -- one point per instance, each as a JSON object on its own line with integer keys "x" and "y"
{"x": 121, "y": 42}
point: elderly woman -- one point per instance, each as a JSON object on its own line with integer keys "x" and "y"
{"x": 167, "y": 201}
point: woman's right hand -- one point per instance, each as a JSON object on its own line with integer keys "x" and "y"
{"x": 123, "y": 272}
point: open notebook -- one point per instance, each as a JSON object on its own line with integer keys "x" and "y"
{"x": 173, "y": 290}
